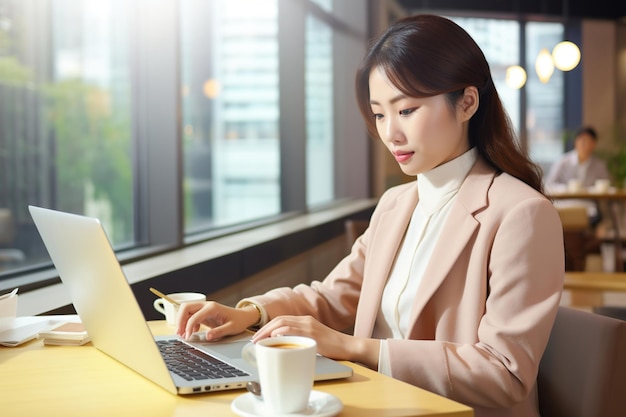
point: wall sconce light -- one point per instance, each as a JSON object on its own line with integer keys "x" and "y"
{"x": 566, "y": 55}
{"x": 544, "y": 66}
{"x": 515, "y": 77}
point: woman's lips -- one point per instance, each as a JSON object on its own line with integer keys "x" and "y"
{"x": 402, "y": 156}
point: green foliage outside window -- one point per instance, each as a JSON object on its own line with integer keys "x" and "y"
{"x": 93, "y": 151}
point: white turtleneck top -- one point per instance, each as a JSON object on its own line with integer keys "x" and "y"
{"x": 437, "y": 190}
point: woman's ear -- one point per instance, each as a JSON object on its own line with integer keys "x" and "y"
{"x": 468, "y": 103}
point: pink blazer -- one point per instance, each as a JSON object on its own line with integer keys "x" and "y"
{"x": 485, "y": 307}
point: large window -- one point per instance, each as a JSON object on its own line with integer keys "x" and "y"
{"x": 499, "y": 41}
{"x": 65, "y": 134}
{"x": 545, "y": 101}
{"x": 539, "y": 118}
{"x": 319, "y": 111}
{"x": 174, "y": 121}
{"x": 230, "y": 111}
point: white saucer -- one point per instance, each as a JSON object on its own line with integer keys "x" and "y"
{"x": 321, "y": 404}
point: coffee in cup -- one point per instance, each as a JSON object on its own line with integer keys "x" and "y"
{"x": 287, "y": 346}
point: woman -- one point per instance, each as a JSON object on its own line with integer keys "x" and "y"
{"x": 455, "y": 284}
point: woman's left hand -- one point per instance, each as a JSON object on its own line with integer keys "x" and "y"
{"x": 330, "y": 343}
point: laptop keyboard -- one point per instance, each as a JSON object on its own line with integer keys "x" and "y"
{"x": 193, "y": 364}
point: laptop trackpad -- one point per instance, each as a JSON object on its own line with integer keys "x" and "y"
{"x": 229, "y": 347}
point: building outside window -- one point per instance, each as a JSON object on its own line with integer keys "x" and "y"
{"x": 319, "y": 111}
{"x": 230, "y": 111}
{"x": 165, "y": 123}
{"x": 544, "y": 115}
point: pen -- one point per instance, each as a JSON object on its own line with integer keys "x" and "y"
{"x": 165, "y": 297}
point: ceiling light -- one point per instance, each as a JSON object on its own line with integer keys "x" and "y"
{"x": 544, "y": 65}
{"x": 566, "y": 55}
{"x": 515, "y": 77}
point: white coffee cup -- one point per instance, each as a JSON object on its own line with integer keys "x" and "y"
{"x": 8, "y": 311}
{"x": 574, "y": 186}
{"x": 169, "y": 310}
{"x": 602, "y": 185}
{"x": 286, "y": 367}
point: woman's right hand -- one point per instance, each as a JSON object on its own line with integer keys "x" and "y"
{"x": 221, "y": 320}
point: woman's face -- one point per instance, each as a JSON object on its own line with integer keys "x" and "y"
{"x": 421, "y": 133}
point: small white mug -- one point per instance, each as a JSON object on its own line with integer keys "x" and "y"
{"x": 8, "y": 312}
{"x": 602, "y": 185}
{"x": 574, "y": 186}
{"x": 286, "y": 367}
{"x": 169, "y": 310}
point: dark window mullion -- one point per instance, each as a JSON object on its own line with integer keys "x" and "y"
{"x": 156, "y": 93}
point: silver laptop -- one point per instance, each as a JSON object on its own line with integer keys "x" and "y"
{"x": 102, "y": 297}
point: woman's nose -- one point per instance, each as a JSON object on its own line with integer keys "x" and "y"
{"x": 391, "y": 133}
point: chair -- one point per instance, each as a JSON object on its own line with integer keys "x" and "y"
{"x": 617, "y": 312}
{"x": 575, "y": 236}
{"x": 583, "y": 370}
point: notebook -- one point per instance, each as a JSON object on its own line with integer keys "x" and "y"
{"x": 82, "y": 254}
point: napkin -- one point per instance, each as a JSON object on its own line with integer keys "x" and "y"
{"x": 15, "y": 331}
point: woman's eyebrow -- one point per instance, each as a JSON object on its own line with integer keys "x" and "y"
{"x": 393, "y": 100}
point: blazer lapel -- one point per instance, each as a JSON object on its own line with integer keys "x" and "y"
{"x": 383, "y": 247}
{"x": 461, "y": 224}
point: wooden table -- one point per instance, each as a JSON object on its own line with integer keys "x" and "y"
{"x": 38, "y": 380}
{"x": 612, "y": 196}
{"x": 588, "y": 288}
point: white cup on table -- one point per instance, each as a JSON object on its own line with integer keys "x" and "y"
{"x": 602, "y": 185}
{"x": 574, "y": 186}
{"x": 8, "y": 310}
{"x": 169, "y": 310}
{"x": 286, "y": 367}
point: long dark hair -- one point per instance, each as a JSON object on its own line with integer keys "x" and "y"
{"x": 427, "y": 55}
